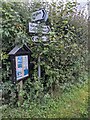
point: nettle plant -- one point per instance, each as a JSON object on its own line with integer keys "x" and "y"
{"x": 63, "y": 58}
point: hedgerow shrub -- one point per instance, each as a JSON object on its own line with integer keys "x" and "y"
{"x": 63, "y": 58}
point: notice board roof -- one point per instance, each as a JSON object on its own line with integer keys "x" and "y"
{"x": 20, "y": 48}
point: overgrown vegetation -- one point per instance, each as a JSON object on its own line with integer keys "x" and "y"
{"x": 63, "y": 58}
{"x": 71, "y": 104}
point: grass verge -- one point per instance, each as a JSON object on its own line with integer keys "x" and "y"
{"x": 72, "y": 104}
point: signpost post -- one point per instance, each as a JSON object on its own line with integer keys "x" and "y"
{"x": 39, "y": 68}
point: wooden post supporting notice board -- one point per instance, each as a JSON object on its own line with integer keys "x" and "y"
{"x": 20, "y": 90}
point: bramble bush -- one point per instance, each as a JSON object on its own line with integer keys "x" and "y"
{"x": 63, "y": 58}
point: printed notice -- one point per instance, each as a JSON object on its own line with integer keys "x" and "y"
{"x": 22, "y": 69}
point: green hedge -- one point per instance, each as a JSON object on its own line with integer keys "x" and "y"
{"x": 63, "y": 59}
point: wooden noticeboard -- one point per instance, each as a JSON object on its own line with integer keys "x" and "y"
{"x": 20, "y": 62}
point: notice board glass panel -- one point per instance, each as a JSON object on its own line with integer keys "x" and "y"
{"x": 22, "y": 69}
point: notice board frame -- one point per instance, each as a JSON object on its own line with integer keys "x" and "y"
{"x": 22, "y": 51}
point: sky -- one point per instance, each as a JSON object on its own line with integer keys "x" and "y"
{"x": 81, "y": 1}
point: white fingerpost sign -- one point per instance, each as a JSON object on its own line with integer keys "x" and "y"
{"x": 43, "y": 38}
{"x": 39, "y": 15}
{"x": 36, "y": 28}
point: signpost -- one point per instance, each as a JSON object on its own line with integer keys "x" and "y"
{"x": 39, "y": 15}
{"x": 37, "y": 28}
